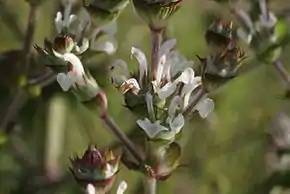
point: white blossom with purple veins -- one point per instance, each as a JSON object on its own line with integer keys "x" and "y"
{"x": 100, "y": 39}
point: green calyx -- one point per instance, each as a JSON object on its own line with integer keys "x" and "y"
{"x": 156, "y": 13}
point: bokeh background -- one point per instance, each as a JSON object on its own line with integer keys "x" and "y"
{"x": 231, "y": 152}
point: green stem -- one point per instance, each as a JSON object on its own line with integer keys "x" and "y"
{"x": 150, "y": 185}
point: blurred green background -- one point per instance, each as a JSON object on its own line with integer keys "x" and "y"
{"x": 229, "y": 153}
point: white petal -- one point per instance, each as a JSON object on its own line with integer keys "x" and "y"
{"x": 269, "y": 23}
{"x": 242, "y": 34}
{"x": 57, "y": 54}
{"x": 141, "y": 58}
{"x": 150, "y": 107}
{"x": 110, "y": 28}
{"x": 110, "y": 170}
{"x": 186, "y": 76}
{"x": 83, "y": 25}
{"x": 119, "y": 72}
{"x": 167, "y": 46}
{"x": 75, "y": 78}
{"x": 205, "y": 107}
{"x": 177, "y": 123}
{"x": 67, "y": 11}
{"x": 72, "y": 18}
{"x": 130, "y": 84}
{"x": 178, "y": 63}
{"x": 189, "y": 88}
{"x": 82, "y": 48}
{"x": 166, "y": 90}
{"x": 151, "y": 129}
{"x": 64, "y": 82}
{"x": 90, "y": 189}
{"x": 107, "y": 44}
{"x": 175, "y": 104}
{"x": 160, "y": 67}
{"x": 76, "y": 62}
{"x": 246, "y": 19}
{"x": 122, "y": 187}
{"x": 58, "y": 22}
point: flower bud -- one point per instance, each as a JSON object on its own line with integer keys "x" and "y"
{"x": 219, "y": 34}
{"x": 156, "y": 12}
{"x": 108, "y": 10}
{"x": 96, "y": 167}
{"x": 63, "y": 44}
{"x": 225, "y": 56}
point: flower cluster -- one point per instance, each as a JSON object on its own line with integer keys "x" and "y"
{"x": 170, "y": 95}
{"x": 262, "y": 30}
{"x": 74, "y": 37}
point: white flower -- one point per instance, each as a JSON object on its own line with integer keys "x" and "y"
{"x": 204, "y": 107}
{"x": 143, "y": 65}
{"x": 130, "y": 84}
{"x": 151, "y": 129}
{"x": 190, "y": 84}
{"x": 242, "y": 34}
{"x": 75, "y": 75}
{"x": 110, "y": 170}
{"x": 101, "y": 39}
{"x": 269, "y": 22}
{"x": 106, "y": 42}
{"x": 170, "y": 64}
{"x": 90, "y": 189}
{"x": 156, "y": 129}
{"x": 63, "y": 21}
{"x": 122, "y": 187}
{"x": 120, "y": 77}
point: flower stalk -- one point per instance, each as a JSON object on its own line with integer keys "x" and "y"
{"x": 156, "y": 38}
{"x": 150, "y": 185}
{"x": 107, "y": 119}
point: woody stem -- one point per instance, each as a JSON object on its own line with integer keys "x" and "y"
{"x": 109, "y": 121}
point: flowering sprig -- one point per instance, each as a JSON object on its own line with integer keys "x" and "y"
{"x": 172, "y": 89}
